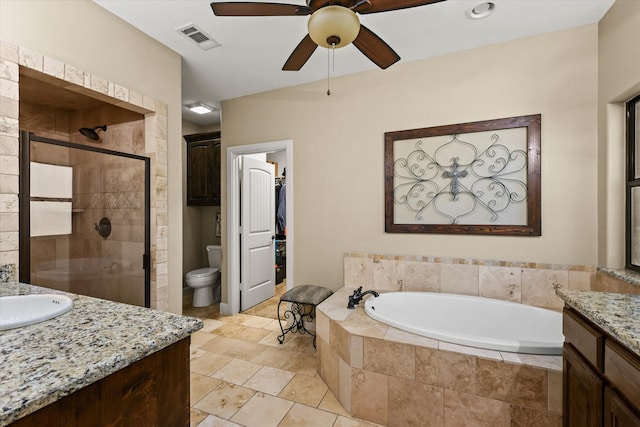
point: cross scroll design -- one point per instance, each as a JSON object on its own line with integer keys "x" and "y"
{"x": 458, "y": 181}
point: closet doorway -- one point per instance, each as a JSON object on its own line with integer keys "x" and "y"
{"x": 283, "y": 244}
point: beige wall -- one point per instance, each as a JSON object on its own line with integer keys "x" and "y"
{"x": 338, "y": 147}
{"x": 84, "y": 35}
{"x": 618, "y": 81}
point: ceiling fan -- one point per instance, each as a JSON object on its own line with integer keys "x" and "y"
{"x": 333, "y": 24}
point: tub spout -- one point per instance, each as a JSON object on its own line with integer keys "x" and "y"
{"x": 358, "y": 295}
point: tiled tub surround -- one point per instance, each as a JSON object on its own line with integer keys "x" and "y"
{"x": 396, "y": 378}
{"x": 522, "y": 282}
{"x": 44, "y": 362}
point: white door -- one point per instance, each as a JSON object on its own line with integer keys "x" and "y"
{"x": 258, "y": 232}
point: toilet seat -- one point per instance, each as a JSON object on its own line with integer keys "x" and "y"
{"x": 202, "y": 273}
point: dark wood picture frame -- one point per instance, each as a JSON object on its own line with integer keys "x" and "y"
{"x": 532, "y": 227}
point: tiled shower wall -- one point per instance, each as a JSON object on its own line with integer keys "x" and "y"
{"x": 152, "y": 143}
{"x": 521, "y": 282}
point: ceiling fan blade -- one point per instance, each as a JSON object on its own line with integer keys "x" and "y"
{"x": 387, "y": 5}
{"x": 374, "y": 48}
{"x": 258, "y": 9}
{"x": 300, "y": 54}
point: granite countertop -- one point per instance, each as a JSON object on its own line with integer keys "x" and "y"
{"x": 617, "y": 314}
{"x": 43, "y": 362}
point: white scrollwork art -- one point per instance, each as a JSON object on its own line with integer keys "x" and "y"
{"x": 468, "y": 178}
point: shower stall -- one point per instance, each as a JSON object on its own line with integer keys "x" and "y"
{"x": 85, "y": 219}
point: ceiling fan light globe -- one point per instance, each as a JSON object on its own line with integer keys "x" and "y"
{"x": 331, "y": 22}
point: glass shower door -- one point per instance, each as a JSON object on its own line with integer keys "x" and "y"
{"x": 88, "y": 220}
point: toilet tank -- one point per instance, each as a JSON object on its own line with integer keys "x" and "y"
{"x": 214, "y": 253}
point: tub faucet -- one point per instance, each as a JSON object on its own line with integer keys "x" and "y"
{"x": 358, "y": 295}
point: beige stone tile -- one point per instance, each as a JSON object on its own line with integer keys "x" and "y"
{"x": 302, "y": 363}
{"x": 361, "y": 324}
{"x": 581, "y": 280}
{"x": 397, "y": 335}
{"x": 219, "y": 344}
{"x": 352, "y": 422}
{"x": 461, "y": 408}
{"x": 225, "y": 400}
{"x": 356, "y": 351}
{"x": 555, "y": 392}
{"x": 213, "y": 421}
{"x": 537, "y": 361}
{"x": 262, "y": 410}
{"x": 526, "y": 417}
{"x": 301, "y": 415}
{"x": 445, "y": 369}
{"x": 196, "y": 416}
{"x": 339, "y": 340}
{"x": 517, "y": 384}
{"x": 390, "y": 358}
{"x": 269, "y": 380}
{"x": 274, "y": 357}
{"x": 330, "y": 403}
{"x": 479, "y": 352}
{"x": 229, "y": 330}
{"x": 539, "y": 287}
{"x": 345, "y": 381}
{"x": 252, "y": 334}
{"x": 200, "y": 338}
{"x": 504, "y": 283}
{"x": 414, "y": 404}
{"x": 422, "y": 276}
{"x": 304, "y": 389}
{"x": 201, "y": 385}
{"x": 459, "y": 279}
{"x": 211, "y": 325}
{"x": 256, "y": 321}
{"x": 236, "y": 371}
{"x": 329, "y": 367}
{"x": 244, "y": 350}
{"x": 301, "y": 343}
{"x": 358, "y": 272}
{"x": 273, "y": 325}
{"x": 370, "y": 396}
{"x": 208, "y": 363}
{"x": 388, "y": 275}
{"x": 322, "y": 325}
{"x": 272, "y": 340}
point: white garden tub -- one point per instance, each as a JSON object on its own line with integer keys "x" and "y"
{"x": 472, "y": 321}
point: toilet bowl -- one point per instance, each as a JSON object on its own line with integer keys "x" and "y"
{"x": 205, "y": 282}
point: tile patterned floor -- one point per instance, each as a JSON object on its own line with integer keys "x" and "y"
{"x": 242, "y": 376}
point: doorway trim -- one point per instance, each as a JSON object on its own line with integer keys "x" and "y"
{"x": 232, "y": 306}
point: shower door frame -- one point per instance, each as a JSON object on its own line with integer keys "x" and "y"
{"x": 25, "y": 207}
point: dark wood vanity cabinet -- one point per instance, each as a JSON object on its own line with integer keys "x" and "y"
{"x": 601, "y": 384}
{"x": 203, "y": 169}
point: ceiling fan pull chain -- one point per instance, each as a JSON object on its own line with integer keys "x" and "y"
{"x": 329, "y": 68}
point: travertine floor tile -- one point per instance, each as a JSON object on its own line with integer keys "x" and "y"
{"x": 225, "y": 400}
{"x": 200, "y": 338}
{"x": 330, "y": 403}
{"x": 269, "y": 380}
{"x": 301, "y": 415}
{"x": 262, "y": 410}
{"x": 196, "y": 416}
{"x": 209, "y": 363}
{"x": 257, "y": 322}
{"x": 306, "y": 390}
{"x": 303, "y": 363}
{"x": 237, "y": 371}
{"x": 352, "y": 422}
{"x": 213, "y": 421}
{"x": 274, "y": 357}
{"x": 201, "y": 385}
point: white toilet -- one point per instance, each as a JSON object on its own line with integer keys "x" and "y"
{"x": 205, "y": 282}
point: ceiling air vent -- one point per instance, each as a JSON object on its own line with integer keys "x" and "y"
{"x": 198, "y": 36}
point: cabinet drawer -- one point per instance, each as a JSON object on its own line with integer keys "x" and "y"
{"x": 623, "y": 371}
{"x": 583, "y": 337}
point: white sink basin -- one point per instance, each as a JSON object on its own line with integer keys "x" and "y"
{"x": 24, "y": 310}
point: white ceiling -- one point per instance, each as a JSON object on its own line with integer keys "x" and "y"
{"x": 254, "y": 49}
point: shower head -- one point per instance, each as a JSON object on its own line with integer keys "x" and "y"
{"x": 93, "y": 133}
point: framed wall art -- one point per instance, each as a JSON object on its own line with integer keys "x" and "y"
{"x": 469, "y": 178}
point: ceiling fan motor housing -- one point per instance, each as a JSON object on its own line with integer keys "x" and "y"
{"x": 333, "y": 26}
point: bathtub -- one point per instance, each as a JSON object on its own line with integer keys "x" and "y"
{"x": 472, "y": 321}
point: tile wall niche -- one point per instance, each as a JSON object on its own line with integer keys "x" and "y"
{"x": 137, "y": 124}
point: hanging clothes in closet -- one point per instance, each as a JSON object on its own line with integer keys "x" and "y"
{"x": 281, "y": 203}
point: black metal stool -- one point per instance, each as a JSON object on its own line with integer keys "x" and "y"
{"x": 304, "y": 300}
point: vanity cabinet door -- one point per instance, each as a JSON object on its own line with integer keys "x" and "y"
{"x": 582, "y": 392}
{"x": 616, "y": 411}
